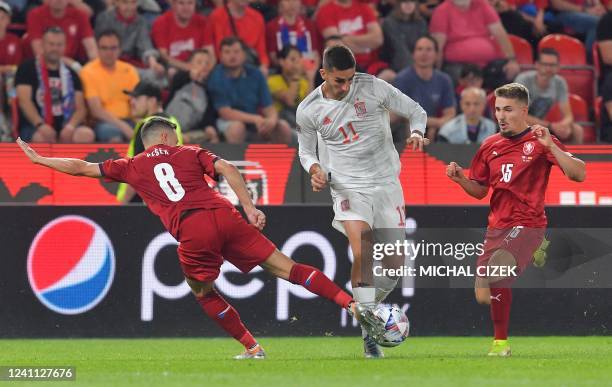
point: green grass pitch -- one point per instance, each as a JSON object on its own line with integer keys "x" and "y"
{"x": 325, "y": 361}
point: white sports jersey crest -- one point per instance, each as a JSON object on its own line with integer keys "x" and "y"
{"x": 355, "y": 132}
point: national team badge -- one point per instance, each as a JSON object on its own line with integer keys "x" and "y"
{"x": 528, "y": 147}
{"x": 345, "y": 205}
{"x": 327, "y": 121}
{"x": 360, "y": 108}
{"x": 72, "y": 29}
{"x": 12, "y": 49}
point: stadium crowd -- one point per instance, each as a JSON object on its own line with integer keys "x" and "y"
{"x": 76, "y": 71}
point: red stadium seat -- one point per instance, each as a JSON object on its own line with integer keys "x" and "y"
{"x": 579, "y": 107}
{"x": 522, "y": 50}
{"x": 570, "y": 49}
{"x": 598, "y": 107}
{"x": 580, "y": 110}
{"x": 581, "y": 81}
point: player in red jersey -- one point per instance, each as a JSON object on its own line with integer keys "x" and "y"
{"x": 516, "y": 164}
{"x": 170, "y": 179}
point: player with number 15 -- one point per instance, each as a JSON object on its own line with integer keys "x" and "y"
{"x": 516, "y": 164}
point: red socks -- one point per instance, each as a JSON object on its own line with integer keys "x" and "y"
{"x": 226, "y": 316}
{"x": 501, "y": 299}
{"x": 314, "y": 280}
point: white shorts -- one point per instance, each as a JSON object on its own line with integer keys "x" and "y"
{"x": 380, "y": 207}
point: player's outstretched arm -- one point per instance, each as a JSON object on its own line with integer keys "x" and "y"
{"x": 455, "y": 172}
{"x": 70, "y": 166}
{"x": 574, "y": 168}
{"x": 235, "y": 180}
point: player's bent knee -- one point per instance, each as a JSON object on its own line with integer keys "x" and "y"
{"x": 500, "y": 266}
{"x": 482, "y": 292}
{"x": 199, "y": 288}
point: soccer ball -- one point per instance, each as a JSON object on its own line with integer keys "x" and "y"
{"x": 397, "y": 326}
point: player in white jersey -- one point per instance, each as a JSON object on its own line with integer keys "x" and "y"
{"x": 347, "y": 119}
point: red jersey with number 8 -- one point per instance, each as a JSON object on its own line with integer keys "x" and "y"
{"x": 517, "y": 170}
{"x": 170, "y": 180}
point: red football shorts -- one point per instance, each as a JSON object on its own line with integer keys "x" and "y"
{"x": 208, "y": 236}
{"x": 519, "y": 241}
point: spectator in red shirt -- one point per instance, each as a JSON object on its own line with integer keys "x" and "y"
{"x": 357, "y": 24}
{"x": 470, "y": 31}
{"x": 178, "y": 32}
{"x": 10, "y": 45}
{"x": 290, "y": 28}
{"x": 238, "y": 19}
{"x": 74, "y": 23}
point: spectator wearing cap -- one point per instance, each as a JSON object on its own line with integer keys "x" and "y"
{"x": 133, "y": 29}
{"x": 75, "y": 24}
{"x": 105, "y": 79}
{"x": 10, "y": 45}
{"x": 145, "y": 101}
{"x": 50, "y": 97}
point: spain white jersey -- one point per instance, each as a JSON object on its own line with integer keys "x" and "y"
{"x": 355, "y": 132}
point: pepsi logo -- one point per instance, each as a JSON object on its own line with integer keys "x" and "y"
{"x": 71, "y": 264}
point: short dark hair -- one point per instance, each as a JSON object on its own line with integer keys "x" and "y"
{"x": 54, "y": 30}
{"x": 156, "y": 123}
{"x": 284, "y": 53}
{"x": 198, "y": 51}
{"x": 108, "y": 32}
{"x": 332, "y": 37}
{"x": 428, "y": 37}
{"x": 549, "y": 51}
{"x": 230, "y": 41}
{"x": 338, "y": 57}
{"x": 513, "y": 91}
{"x": 471, "y": 69}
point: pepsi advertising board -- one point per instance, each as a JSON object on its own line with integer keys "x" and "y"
{"x": 113, "y": 272}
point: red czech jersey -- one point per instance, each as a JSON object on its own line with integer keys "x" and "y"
{"x": 170, "y": 180}
{"x": 517, "y": 169}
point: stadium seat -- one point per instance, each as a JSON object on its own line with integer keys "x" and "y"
{"x": 522, "y": 50}
{"x": 581, "y": 81}
{"x": 570, "y": 49}
{"x": 580, "y": 110}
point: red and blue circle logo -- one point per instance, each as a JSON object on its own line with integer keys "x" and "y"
{"x": 71, "y": 264}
